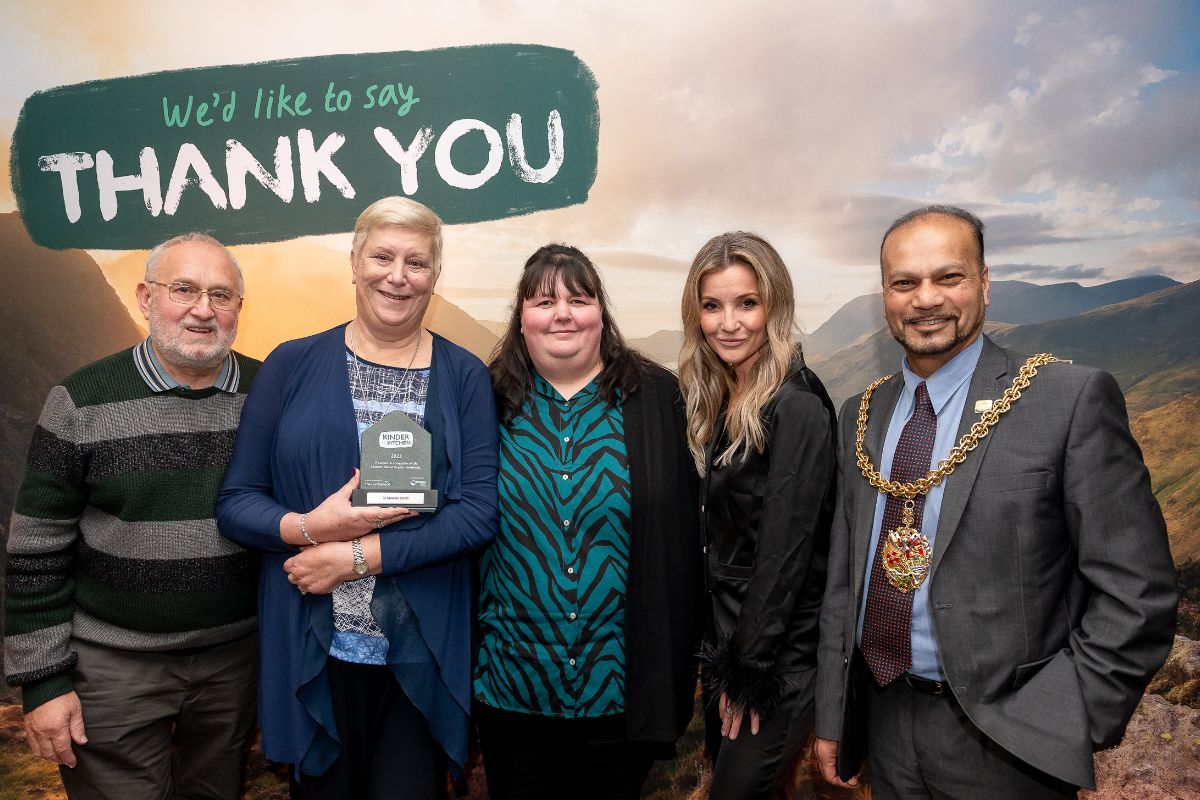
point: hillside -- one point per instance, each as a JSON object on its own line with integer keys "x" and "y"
{"x": 497, "y": 328}
{"x": 849, "y": 370}
{"x": 1148, "y": 344}
{"x": 661, "y": 346}
{"x": 1167, "y": 436}
{"x": 1061, "y": 300}
{"x": 57, "y": 313}
{"x": 859, "y": 317}
{"x": 458, "y": 326}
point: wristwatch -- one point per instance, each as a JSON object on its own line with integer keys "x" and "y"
{"x": 360, "y": 562}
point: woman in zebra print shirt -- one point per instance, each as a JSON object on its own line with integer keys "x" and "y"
{"x": 591, "y": 595}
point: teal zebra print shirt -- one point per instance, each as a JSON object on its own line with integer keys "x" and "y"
{"x": 552, "y": 590}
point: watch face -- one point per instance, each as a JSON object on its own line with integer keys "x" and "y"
{"x": 361, "y": 568}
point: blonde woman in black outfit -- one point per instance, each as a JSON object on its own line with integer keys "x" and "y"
{"x": 761, "y": 429}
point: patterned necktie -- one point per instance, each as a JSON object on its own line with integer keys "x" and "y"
{"x": 887, "y": 624}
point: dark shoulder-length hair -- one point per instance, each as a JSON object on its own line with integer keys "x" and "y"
{"x": 511, "y": 367}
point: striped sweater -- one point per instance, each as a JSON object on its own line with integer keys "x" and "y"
{"x": 113, "y": 538}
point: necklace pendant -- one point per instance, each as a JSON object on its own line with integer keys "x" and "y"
{"x": 906, "y": 557}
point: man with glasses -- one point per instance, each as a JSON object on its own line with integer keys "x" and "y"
{"x": 130, "y": 621}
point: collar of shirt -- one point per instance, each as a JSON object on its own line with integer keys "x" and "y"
{"x": 942, "y": 384}
{"x": 547, "y": 390}
{"x": 159, "y": 380}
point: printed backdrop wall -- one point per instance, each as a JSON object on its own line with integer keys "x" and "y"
{"x": 635, "y": 131}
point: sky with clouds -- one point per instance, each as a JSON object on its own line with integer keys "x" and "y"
{"x": 1073, "y": 129}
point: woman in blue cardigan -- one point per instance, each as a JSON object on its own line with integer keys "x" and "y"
{"x": 364, "y": 613}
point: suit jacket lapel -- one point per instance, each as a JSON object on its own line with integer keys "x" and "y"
{"x": 987, "y": 383}
{"x": 883, "y": 405}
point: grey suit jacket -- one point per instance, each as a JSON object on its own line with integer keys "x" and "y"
{"x": 1052, "y": 590}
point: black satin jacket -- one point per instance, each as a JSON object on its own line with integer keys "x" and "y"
{"x": 765, "y": 521}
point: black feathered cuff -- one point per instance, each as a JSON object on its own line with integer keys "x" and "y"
{"x": 746, "y": 684}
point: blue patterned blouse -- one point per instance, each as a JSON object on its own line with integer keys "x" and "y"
{"x": 552, "y": 599}
{"x": 376, "y": 390}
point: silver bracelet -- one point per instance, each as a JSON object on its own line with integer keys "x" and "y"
{"x": 304, "y": 530}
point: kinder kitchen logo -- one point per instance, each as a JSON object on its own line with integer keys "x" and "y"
{"x": 396, "y": 439}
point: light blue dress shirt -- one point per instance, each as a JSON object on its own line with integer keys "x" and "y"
{"x": 947, "y": 389}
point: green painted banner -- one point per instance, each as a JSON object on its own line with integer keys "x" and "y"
{"x": 271, "y": 151}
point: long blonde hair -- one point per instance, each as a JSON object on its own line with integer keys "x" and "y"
{"x": 707, "y": 381}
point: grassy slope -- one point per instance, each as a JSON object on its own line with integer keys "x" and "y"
{"x": 1167, "y": 436}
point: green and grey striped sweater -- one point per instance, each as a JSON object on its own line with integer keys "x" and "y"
{"x": 113, "y": 538}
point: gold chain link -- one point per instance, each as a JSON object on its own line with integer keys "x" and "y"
{"x": 959, "y": 453}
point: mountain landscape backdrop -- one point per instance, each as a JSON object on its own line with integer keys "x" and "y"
{"x": 61, "y": 311}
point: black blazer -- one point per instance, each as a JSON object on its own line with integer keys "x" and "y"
{"x": 765, "y": 520}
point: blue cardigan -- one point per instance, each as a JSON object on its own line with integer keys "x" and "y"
{"x": 296, "y": 445}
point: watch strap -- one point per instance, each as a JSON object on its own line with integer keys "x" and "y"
{"x": 360, "y": 561}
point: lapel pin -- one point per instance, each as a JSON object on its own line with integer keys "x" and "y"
{"x": 982, "y": 405}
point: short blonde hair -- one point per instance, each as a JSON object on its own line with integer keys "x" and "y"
{"x": 405, "y": 213}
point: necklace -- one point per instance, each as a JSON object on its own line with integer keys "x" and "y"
{"x": 907, "y": 552}
{"x": 365, "y": 385}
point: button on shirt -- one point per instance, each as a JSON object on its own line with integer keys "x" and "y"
{"x": 553, "y": 582}
{"x": 948, "y": 388}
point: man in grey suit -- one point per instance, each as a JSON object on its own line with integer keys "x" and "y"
{"x": 993, "y": 610}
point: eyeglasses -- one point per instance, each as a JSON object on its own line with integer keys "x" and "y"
{"x": 188, "y": 295}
